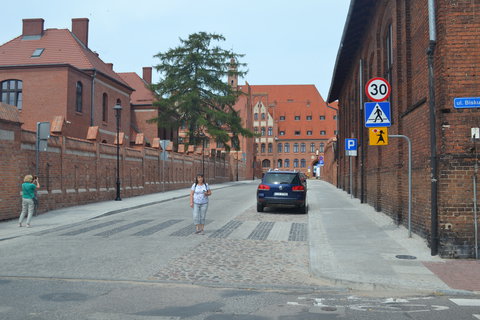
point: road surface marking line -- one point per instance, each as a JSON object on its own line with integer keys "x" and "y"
{"x": 466, "y": 302}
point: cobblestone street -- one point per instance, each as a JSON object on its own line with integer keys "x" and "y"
{"x": 237, "y": 254}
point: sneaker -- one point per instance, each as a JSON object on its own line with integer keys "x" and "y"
{"x": 20, "y": 225}
{"x": 198, "y": 231}
{"x": 28, "y": 226}
{"x": 202, "y": 232}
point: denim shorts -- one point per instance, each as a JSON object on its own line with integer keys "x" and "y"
{"x": 199, "y": 213}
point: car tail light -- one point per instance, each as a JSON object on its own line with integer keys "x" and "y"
{"x": 263, "y": 187}
{"x": 298, "y": 188}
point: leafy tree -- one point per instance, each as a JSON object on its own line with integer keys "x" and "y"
{"x": 193, "y": 92}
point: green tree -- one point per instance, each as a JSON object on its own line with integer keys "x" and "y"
{"x": 193, "y": 90}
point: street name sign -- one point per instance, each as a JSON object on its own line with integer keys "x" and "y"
{"x": 461, "y": 103}
{"x": 378, "y": 136}
{"x": 378, "y": 89}
{"x": 351, "y": 146}
{"x": 377, "y": 114}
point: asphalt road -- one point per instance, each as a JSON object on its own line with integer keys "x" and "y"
{"x": 149, "y": 264}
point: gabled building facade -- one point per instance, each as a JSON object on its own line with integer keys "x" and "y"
{"x": 49, "y": 73}
{"x": 294, "y": 125}
{"x": 429, "y": 51}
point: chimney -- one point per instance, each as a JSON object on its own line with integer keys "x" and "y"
{"x": 80, "y": 30}
{"x": 32, "y": 27}
{"x": 110, "y": 65}
{"x": 147, "y": 74}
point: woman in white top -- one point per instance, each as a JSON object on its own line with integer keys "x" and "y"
{"x": 199, "y": 202}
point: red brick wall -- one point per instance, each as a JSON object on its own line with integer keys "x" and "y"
{"x": 75, "y": 171}
{"x": 457, "y": 65}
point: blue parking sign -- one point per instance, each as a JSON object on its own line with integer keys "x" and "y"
{"x": 351, "y": 144}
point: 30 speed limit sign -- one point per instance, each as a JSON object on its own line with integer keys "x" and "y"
{"x": 378, "y": 89}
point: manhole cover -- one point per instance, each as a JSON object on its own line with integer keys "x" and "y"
{"x": 329, "y": 308}
{"x": 406, "y": 257}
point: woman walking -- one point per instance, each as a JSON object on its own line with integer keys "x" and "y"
{"x": 29, "y": 185}
{"x": 199, "y": 202}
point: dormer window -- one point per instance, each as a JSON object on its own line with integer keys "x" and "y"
{"x": 38, "y": 52}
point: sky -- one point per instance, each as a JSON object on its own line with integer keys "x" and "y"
{"x": 284, "y": 41}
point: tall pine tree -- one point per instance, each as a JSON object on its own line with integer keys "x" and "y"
{"x": 193, "y": 90}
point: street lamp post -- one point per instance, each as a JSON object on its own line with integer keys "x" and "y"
{"x": 118, "y": 109}
{"x": 203, "y": 152}
{"x": 237, "y": 164}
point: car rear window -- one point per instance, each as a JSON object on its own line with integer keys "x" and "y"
{"x": 281, "y": 178}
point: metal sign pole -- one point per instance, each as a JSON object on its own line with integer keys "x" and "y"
{"x": 409, "y": 180}
{"x": 351, "y": 179}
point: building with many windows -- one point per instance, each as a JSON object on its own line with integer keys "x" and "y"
{"x": 293, "y": 124}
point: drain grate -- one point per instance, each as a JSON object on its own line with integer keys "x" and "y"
{"x": 405, "y": 257}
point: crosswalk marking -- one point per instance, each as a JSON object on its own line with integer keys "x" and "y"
{"x": 476, "y": 316}
{"x": 466, "y": 302}
{"x": 233, "y": 229}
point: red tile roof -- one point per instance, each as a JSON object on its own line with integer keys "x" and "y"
{"x": 142, "y": 95}
{"x": 61, "y": 47}
{"x": 282, "y": 93}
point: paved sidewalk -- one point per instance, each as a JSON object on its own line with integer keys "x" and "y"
{"x": 353, "y": 245}
{"x": 9, "y": 229}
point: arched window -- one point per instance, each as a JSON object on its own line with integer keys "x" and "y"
{"x": 256, "y": 147}
{"x": 322, "y": 147}
{"x": 263, "y": 131}
{"x": 295, "y": 147}
{"x": 263, "y": 116}
{"x": 312, "y": 147}
{"x": 287, "y": 163}
{"x": 270, "y": 131}
{"x": 279, "y": 163}
{"x": 79, "y": 97}
{"x": 287, "y": 147}
{"x": 262, "y": 148}
{"x": 255, "y": 116}
{"x": 270, "y": 148}
{"x": 295, "y": 163}
{"x": 11, "y": 93}
{"x": 303, "y": 163}
{"x": 105, "y": 108}
{"x": 266, "y": 163}
{"x": 279, "y": 148}
{"x": 303, "y": 148}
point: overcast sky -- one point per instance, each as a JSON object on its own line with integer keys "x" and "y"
{"x": 284, "y": 41}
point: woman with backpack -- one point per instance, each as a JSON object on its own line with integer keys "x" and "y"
{"x": 199, "y": 194}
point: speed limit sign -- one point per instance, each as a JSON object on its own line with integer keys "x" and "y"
{"x": 378, "y": 89}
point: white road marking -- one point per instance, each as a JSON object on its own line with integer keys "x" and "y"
{"x": 476, "y": 316}
{"x": 466, "y": 302}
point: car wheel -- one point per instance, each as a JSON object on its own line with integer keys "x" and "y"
{"x": 304, "y": 209}
{"x": 259, "y": 207}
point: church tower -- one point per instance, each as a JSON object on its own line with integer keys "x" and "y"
{"x": 232, "y": 78}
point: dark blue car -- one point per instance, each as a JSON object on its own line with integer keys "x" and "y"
{"x": 282, "y": 189}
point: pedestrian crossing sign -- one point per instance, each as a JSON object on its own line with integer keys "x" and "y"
{"x": 378, "y": 136}
{"x": 377, "y": 114}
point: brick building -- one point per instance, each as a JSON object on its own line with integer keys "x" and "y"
{"x": 53, "y": 73}
{"x": 394, "y": 40}
{"x": 143, "y": 109}
{"x": 294, "y": 124}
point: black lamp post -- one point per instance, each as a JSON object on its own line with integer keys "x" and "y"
{"x": 203, "y": 152}
{"x": 237, "y": 164}
{"x": 118, "y": 110}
